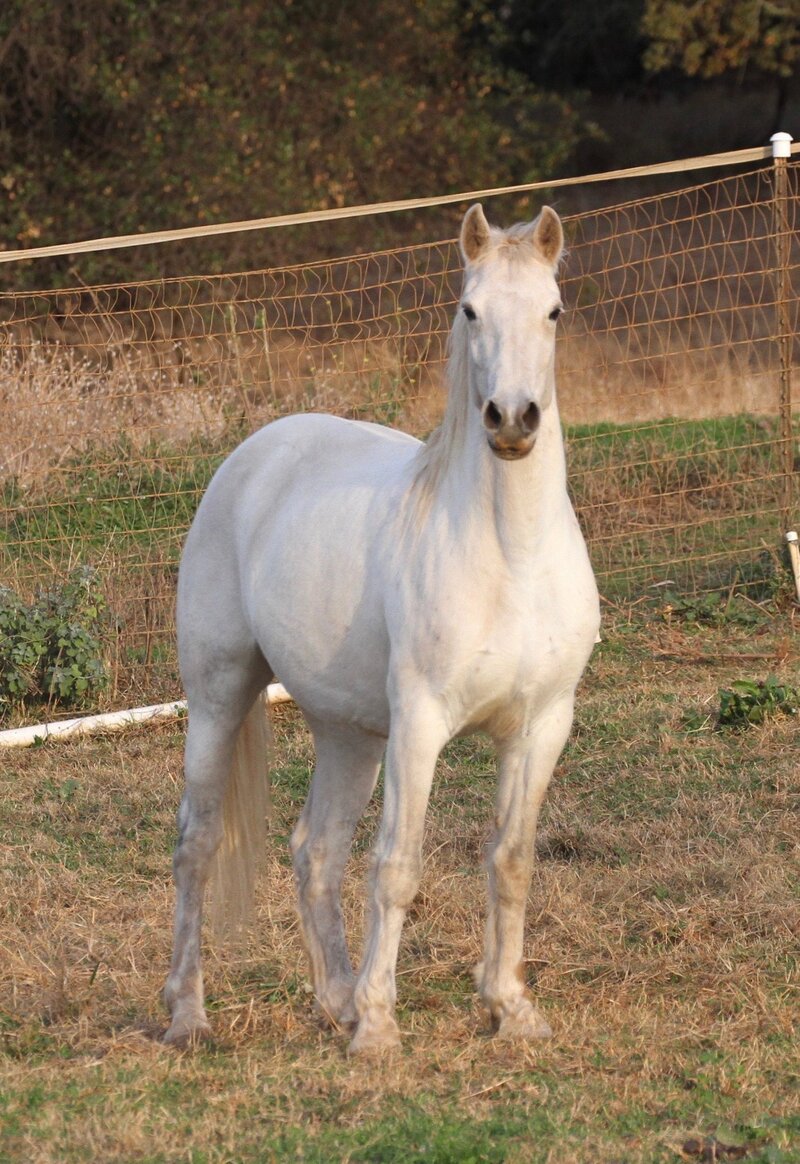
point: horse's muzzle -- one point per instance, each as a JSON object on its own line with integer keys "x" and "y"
{"x": 511, "y": 435}
{"x": 513, "y": 450}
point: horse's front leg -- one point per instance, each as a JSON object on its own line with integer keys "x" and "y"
{"x": 416, "y": 738}
{"x": 525, "y": 766}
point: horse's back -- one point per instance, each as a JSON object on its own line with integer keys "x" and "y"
{"x": 291, "y": 462}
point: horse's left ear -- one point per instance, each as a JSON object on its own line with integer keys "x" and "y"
{"x": 548, "y": 236}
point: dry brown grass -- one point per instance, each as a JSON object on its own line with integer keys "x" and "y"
{"x": 57, "y": 401}
{"x": 662, "y": 944}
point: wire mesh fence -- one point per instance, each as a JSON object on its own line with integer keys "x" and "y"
{"x": 674, "y": 376}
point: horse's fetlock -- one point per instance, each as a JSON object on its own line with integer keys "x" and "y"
{"x": 375, "y": 1034}
{"x": 370, "y": 999}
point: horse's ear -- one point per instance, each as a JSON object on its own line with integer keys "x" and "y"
{"x": 548, "y": 236}
{"x": 475, "y": 233}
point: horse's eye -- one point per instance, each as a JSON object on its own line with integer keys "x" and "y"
{"x": 554, "y": 314}
{"x": 469, "y": 311}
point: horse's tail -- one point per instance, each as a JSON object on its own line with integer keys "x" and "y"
{"x": 246, "y": 809}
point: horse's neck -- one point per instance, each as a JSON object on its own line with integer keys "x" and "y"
{"x": 514, "y": 506}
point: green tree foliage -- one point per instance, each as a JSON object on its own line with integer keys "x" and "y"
{"x": 137, "y": 115}
{"x": 711, "y": 37}
{"x": 738, "y": 39}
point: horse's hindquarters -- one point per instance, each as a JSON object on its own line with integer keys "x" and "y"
{"x": 307, "y": 521}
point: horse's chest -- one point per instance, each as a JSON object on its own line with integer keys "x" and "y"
{"x": 513, "y": 652}
{"x": 523, "y": 648}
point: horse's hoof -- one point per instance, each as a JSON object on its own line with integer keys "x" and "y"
{"x": 337, "y": 1010}
{"x": 186, "y": 1037}
{"x": 523, "y": 1024}
{"x": 375, "y": 1035}
{"x": 335, "y": 1019}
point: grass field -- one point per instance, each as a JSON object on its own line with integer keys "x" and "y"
{"x": 662, "y": 945}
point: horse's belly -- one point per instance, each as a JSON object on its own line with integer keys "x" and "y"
{"x": 347, "y": 685}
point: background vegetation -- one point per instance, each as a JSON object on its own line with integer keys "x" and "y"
{"x": 136, "y": 115}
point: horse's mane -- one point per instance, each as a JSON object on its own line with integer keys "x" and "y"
{"x": 448, "y": 439}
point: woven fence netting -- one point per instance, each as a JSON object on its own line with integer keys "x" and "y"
{"x": 674, "y": 375}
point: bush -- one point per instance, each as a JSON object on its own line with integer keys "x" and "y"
{"x": 51, "y": 650}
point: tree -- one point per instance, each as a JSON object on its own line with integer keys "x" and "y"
{"x": 137, "y": 115}
{"x": 716, "y": 38}
{"x": 584, "y": 45}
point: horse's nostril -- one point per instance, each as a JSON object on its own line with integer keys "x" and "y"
{"x": 492, "y": 416}
{"x": 530, "y": 418}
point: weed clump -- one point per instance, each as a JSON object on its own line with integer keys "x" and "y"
{"x": 750, "y": 702}
{"x": 51, "y": 649}
{"x": 747, "y": 703}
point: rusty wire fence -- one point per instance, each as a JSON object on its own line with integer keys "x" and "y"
{"x": 674, "y": 376}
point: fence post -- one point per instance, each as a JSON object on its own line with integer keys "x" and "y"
{"x": 781, "y": 150}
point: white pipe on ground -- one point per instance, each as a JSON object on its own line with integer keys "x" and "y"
{"x": 110, "y": 721}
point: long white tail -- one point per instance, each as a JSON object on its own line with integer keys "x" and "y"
{"x": 246, "y": 810}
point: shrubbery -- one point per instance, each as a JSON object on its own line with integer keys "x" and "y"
{"x": 51, "y": 649}
{"x": 136, "y": 115}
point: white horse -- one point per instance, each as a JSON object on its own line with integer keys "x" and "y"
{"x": 404, "y": 593}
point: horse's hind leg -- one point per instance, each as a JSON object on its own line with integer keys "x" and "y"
{"x": 346, "y": 769}
{"x": 215, "y": 718}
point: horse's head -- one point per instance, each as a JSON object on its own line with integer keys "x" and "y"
{"x": 509, "y": 308}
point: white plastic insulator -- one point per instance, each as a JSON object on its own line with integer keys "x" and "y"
{"x": 781, "y": 145}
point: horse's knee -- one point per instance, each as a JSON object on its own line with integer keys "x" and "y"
{"x": 302, "y": 864}
{"x": 199, "y": 837}
{"x": 396, "y": 880}
{"x": 312, "y": 865}
{"x": 509, "y": 868}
